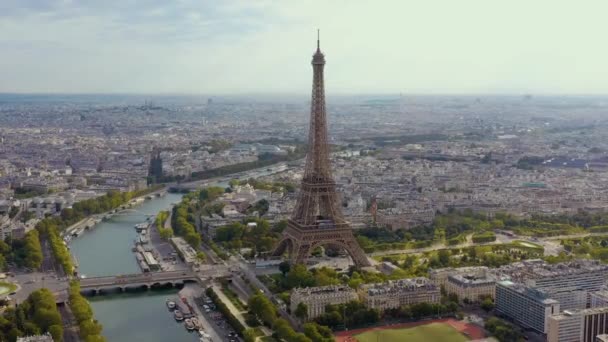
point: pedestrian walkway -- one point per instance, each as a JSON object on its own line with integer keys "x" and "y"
{"x": 238, "y": 314}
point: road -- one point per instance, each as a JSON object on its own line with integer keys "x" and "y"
{"x": 250, "y": 275}
{"x": 192, "y": 293}
{"x": 150, "y": 277}
{"x": 32, "y": 281}
{"x": 70, "y": 326}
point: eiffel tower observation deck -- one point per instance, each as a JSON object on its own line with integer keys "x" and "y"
{"x": 317, "y": 219}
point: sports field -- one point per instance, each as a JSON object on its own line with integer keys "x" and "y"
{"x": 444, "y": 330}
{"x": 429, "y": 332}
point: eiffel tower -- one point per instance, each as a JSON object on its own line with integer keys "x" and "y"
{"x": 317, "y": 219}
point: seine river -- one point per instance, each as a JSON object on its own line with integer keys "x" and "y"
{"x": 106, "y": 250}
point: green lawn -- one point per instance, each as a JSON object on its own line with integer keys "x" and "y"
{"x": 428, "y": 332}
{"x": 6, "y": 287}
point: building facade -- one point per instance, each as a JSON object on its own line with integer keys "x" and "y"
{"x": 37, "y": 338}
{"x": 471, "y": 287}
{"x": 578, "y": 325}
{"x": 394, "y": 294}
{"x": 530, "y": 308}
{"x": 317, "y": 298}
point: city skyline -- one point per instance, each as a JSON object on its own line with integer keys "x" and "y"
{"x": 242, "y": 47}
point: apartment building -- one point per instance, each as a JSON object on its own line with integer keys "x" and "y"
{"x": 396, "y": 293}
{"x": 473, "y": 287}
{"x": 316, "y": 298}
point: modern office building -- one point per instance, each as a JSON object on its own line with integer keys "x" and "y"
{"x": 589, "y": 275}
{"x": 397, "y": 293}
{"x": 578, "y": 325}
{"x": 601, "y": 338}
{"x": 570, "y": 298}
{"x": 567, "y": 282}
{"x": 528, "y": 307}
{"x": 316, "y": 298}
{"x": 599, "y": 298}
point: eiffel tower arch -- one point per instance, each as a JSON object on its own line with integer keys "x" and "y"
{"x": 317, "y": 219}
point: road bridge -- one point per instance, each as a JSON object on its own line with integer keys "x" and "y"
{"x": 140, "y": 280}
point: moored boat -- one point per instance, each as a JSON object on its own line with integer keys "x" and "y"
{"x": 188, "y": 324}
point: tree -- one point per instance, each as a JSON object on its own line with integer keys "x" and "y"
{"x": 284, "y": 267}
{"x": 200, "y": 256}
{"x": 262, "y": 308}
{"x": 249, "y": 335}
{"x": 453, "y": 297}
{"x": 472, "y": 253}
{"x": 487, "y": 305}
{"x": 57, "y": 332}
{"x": 301, "y": 311}
{"x": 318, "y": 333}
{"x": 165, "y": 233}
{"x": 444, "y": 257}
{"x": 299, "y": 276}
{"x": 211, "y": 193}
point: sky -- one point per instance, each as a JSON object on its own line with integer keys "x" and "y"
{"x": 263, "y": 46}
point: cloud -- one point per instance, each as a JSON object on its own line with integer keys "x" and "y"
{"x": 265, "y": 46}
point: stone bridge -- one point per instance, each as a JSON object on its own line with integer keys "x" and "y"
{"x": 141, "y": 280}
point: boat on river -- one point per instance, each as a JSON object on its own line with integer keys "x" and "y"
{"x": 195, "y": 323}
{"x": 170, "y": 304}
{"x": 188, "y": 324}
{"x": 141, "y": 226}
{"x": 178, "y": 315}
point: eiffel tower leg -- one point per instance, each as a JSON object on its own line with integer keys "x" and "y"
{"x": 286, "y": 244}
{"x": 355, "y": 252}
{"x": 301, "y": 253}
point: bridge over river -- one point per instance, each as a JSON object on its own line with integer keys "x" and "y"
{"x": 147, "y": 280}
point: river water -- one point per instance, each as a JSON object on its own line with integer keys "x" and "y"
{"x": 106, "y": 250}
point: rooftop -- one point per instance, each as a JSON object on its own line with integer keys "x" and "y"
{"x": 536, "y": 294}
{"x": 399, "y": 286}
{"x": 309, "y": 291}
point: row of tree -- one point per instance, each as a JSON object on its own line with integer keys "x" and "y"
{"x": 263, "y": 310}
{"x": 423, "y": 310}
{"x": 60, "y": 251}
{"x": 260, "y": 238}
{"x": 351, "y": 314}
{"x": 165, "y": 233}
{"x": 26, "y": 252}
{"x": 263, "y": 161}
{"x": 502, "y": 330}
{"x": 232, "y": 320}
{"x": 484, "y": 237}
{"x": 183, "y": 224}
{"x": 90, "y": 329}
{"x": 37, "y": 315}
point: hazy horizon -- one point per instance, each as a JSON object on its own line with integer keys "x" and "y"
{"x": 205, "y": 48}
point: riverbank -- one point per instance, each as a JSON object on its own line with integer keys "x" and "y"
{"x": 107, "y": 249}
{"x": 89, "y": 222}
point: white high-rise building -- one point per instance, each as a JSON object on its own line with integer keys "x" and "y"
{"x": 530, "y": 308}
